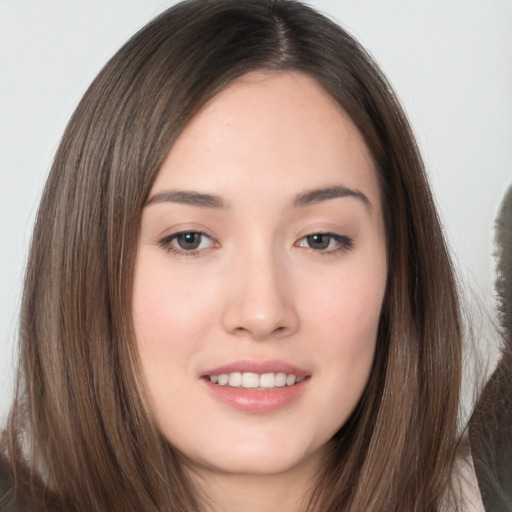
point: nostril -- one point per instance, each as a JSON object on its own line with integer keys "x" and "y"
{"x": 260, "y": 332}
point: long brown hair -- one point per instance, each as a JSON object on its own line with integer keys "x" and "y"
{"x": 79, "y": 435}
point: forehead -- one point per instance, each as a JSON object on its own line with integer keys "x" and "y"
{"x": 278, "y": 128}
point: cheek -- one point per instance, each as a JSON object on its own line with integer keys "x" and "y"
{"x": 344, "y": 315}
{"x": 348, "y": 304}
{"x": 172, "y": 318}
{"x": 170, "y": 321}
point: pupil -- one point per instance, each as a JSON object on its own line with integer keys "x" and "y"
{"x": 189, "y": 241}
{"x": 319, "y": 241}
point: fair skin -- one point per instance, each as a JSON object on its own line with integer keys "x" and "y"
{"x": 261, "y": 261}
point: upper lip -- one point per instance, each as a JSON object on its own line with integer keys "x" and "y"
{"x": 255, "y": 366}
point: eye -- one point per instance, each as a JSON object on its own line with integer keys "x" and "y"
{"x": 326, "y": 242}
{"x": 187, "y": 242}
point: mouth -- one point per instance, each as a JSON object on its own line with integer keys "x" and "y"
{"x": 256, "y": 387}
{"x": 255, "y": 381}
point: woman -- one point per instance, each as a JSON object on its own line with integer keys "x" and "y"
{"x": 238, "y": 291}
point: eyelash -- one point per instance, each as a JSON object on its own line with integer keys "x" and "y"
{"x": 167, "y": 243}
{"x": 343, "y": 243}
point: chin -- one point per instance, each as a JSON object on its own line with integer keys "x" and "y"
{"x": 257, "y": 457}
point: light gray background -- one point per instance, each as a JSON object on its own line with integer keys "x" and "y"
{"x": 449, "y": 60}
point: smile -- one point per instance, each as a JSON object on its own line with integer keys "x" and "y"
{"x": 256, "y": 387}
{"x": 256, "y": 381}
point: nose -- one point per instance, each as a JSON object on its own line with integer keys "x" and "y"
{"x": 260, "y": 303}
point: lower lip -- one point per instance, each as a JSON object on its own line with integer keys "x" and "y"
{"x": 256, "y": 401}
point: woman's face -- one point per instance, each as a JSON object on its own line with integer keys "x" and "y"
{"x": 260, "y": 276}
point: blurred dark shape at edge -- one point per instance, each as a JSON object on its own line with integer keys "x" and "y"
{"x": 490, "y": 427}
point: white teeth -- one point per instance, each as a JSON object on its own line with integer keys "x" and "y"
{"x": 290, "y": 380}
{"x": 235, "y": 379}
{"x": 267, "y": 380}
{"x": 280, "y": 380}
{"x": 251, "y": 380}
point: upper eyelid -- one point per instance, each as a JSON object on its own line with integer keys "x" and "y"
{"x": 187, "y": 231}
{"x": 184, "y": 231}
{"x": 326, "y": 233}
{"x": 172, "y": 233}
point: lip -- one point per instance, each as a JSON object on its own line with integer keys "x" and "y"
{"x": 256, "y": 401}
{"x": 252, "y": 365}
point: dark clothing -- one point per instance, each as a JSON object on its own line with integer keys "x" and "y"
{"x": 5, "y": 488}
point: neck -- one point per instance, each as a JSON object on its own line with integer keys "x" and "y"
{"x": 287, "y": 491}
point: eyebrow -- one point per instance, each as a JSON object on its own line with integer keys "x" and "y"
{"x": 303, "y": 199}
{"x": 324, "y": 194}
{"x": 188, "y": 197}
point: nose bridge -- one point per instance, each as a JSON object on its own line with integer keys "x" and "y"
{"x": 260, "y": 303}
